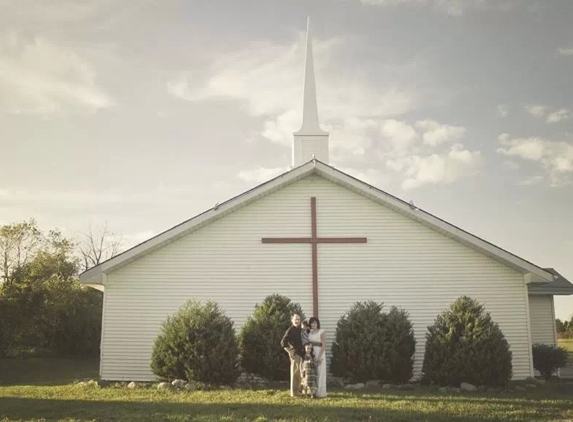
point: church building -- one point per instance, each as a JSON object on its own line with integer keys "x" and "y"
{"x": 325, "y": 240}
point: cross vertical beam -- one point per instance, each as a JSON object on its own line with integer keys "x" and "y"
{"x": 314, "y": 240}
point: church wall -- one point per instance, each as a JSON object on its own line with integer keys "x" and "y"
{"x": 404, "y": 264}
{"x": 542, "y": 316}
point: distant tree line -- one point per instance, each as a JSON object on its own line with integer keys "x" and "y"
{"x": 564, "y": 328}
{"x": 44, "y": 309}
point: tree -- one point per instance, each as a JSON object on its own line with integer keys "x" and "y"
{"x": 198, "y": 343}
{"x": 44, "y": 307}
{"x": 19, "y": 243}
{"x": 98, "y": 245}
{"x": 548, "y": 359}
{"x": 465, "y": 345}
{"x": 260, "y": 337}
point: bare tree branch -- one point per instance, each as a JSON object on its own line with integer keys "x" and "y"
{"x": 98, "y": 245}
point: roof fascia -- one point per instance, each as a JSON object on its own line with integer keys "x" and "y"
{"x": 198, "y": 221}
{"x": 441, "y": 226}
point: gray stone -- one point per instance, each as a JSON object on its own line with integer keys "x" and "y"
{"x": 530, "y": 385}
{"x": 189, "y": 386}
{"x": 372, "y": 383}
{"x": 92, "y": 384}
{"x": 335, "y": 382}
{"x": 103, "y": 383}
{"x": 456, "y": 390}
{"x": 358, "y": 386}
{"x": 179, "y": 384}
{"x": 444, "y": 389}
{"x": 467, "y": 387}
{"x": 226, "y": 387}
{"x": 132, "y": 385}
{"x": 82, "y": 384}
{"x": 164, "y": 386}
{"x": 386, "y": 386}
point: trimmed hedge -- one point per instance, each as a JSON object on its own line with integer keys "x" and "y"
{"x": 373, "y": 345}
{"x": 198, "y": 343}
{"x": 548, "y": 359}
{"x": 260, "y": 338}
{"x": 465, "y": 345}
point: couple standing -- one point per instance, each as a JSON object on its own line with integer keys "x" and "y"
{"x": 292, "y": 342}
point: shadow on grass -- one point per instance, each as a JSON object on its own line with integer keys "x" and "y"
{"x": 16, "y": 408}
{"x": 46, "y": 371}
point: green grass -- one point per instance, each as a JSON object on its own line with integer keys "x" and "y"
{"x": 36, "y": 400}
{"x": 566, "y": 343}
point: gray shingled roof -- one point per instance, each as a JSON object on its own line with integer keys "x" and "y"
{"x": 560, "y": 286}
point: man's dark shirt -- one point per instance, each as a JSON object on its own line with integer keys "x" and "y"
{"x": 293, "y": 341}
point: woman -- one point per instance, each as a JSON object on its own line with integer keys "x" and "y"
{"x": 318, "y": 339}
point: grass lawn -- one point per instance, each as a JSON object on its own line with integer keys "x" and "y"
{"x": 29, "y": 396}
{"x": 568, "y": 370}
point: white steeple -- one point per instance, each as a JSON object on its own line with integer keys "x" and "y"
{"x": 310, "y": 141}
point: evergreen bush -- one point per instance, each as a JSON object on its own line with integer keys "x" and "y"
{"x": 260, "y": 338}
{"x": 371, "y": 344}
{"x": 465, "y": 345}
{"x": 548, "y": 359}
{"x": 197, "y": 343}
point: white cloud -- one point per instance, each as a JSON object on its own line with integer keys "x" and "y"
{"x": 436, "y": 133}
{"x": 552, "y": 115}
{"x": 401, "y": 134}
{"x": 261, "y": 174}
{"x": 536, "y": 110}
{"x": 503, "y": 110}
{"x": 565, "y": 51}
{"x": 39, "y": 77}
{"x": 444, "y": 168}
{"x": 266, "y": 79}
{"x": 559, "y": 115}
{"x": 555, "y": 158}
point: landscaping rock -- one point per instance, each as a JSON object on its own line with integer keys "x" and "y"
{"x": 467, "y": 387}
{"x": 92, "y": 384}
{"x": 386, "y": 386}
{"x": 103, "y": 383}
{"x": 358, "y": 386}
{"x": 444, "y": 389}
{"x": 226, "y": 387}
{"x": 189, "y": 386}
{"x": 82, "y": 384}
{"x": 164, "y": 386}
{"x": 372, "y": 383}
{"x": 132, "y": 385}
{"x": 456, "y": 390}
{"x": 333, "y": 382}
{"x": 178, "y": 384}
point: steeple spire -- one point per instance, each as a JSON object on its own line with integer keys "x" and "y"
{"x": 310, "y": 141}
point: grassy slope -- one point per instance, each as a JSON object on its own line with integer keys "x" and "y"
{"x": 33, "y": 399}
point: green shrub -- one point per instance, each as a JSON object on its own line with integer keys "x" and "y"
{"x": 465, "y": 345}
{"x": 371, "y": 344}
{"x": 548, "y": 359}
{"x": 198, "y": 343}
{"x": 260, "y": 338}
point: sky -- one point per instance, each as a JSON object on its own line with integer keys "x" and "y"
{"x": 144, "y": 114}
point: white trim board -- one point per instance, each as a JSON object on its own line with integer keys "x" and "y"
{"x": 532, "y": 272}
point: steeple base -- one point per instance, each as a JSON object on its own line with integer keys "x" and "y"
{"x": 307, "y": 147}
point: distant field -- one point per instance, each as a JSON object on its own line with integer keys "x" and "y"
{"x": 567, "y": 372}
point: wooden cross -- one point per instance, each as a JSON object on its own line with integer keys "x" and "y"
{"x": 314, "y": 240}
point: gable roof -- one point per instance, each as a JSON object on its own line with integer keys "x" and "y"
{"x": 560, "y": 285}
{"x": 534, "y": 273}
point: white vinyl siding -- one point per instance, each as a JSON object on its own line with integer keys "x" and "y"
{"x": 404, "y": 264}
{"x": 542, "y": 319}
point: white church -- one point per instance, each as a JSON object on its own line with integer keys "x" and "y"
{"x": 325, "y": 240}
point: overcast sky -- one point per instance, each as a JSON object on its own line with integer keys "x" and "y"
{"x": 143, "y": 114}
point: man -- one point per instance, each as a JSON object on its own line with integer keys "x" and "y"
{"x": 292, "y": 343}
